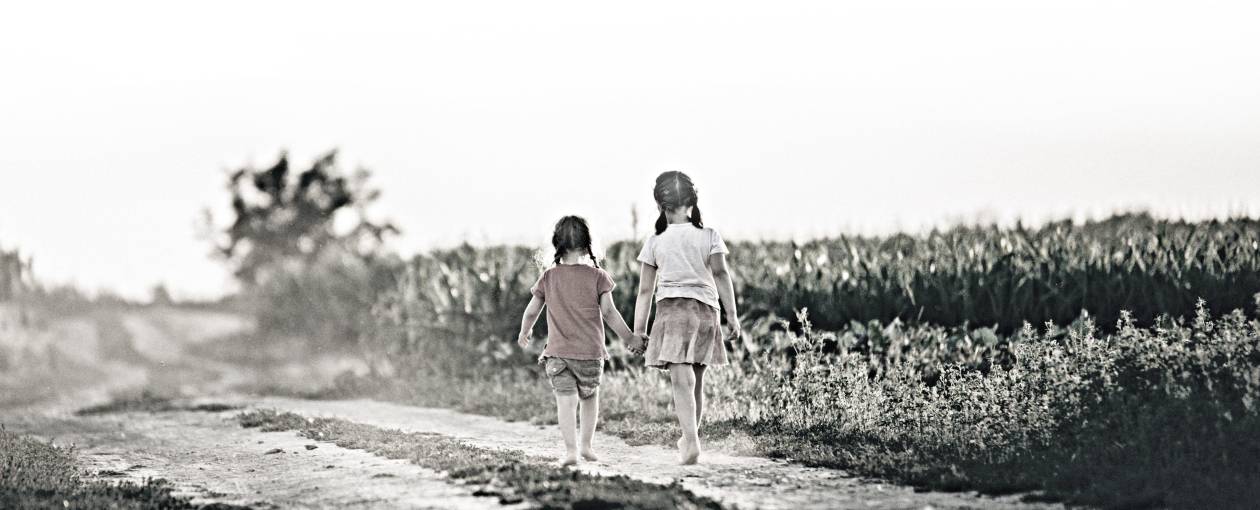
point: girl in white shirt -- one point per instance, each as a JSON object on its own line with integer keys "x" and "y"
{"x": 684, "y": 265}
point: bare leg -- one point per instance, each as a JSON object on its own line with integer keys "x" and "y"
{"x": 684, "y": 383}
{"x": 590, "y": 416}
{"x": 699, "y": 370}
{"x": 566, "y": 414}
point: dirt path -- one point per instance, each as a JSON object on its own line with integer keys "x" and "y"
{"x": 210, "y": 457}
{"x": 746, "y": 482}
{"x": 207, "y": 456}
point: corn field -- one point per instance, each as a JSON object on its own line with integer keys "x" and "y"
{"x": 973, "y": 286}
{"x": 996, "y": 277}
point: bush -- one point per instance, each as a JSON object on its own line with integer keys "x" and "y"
{"x": 1160, "y": 416}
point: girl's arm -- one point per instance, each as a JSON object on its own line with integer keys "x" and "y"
{"x": 726, "y": 292}
{"x": 527, "y": 321}
{"x": 643, "y": 306}
{"x": 613, "y": 318}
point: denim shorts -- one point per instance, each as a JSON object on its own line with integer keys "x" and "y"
{"x": 570, "y": 376}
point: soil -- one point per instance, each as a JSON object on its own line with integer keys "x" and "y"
{"x": 208, "y": 456}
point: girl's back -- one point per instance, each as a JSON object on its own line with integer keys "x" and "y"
{"x": 575, "y": 328}
{"x": 681, "y": 257}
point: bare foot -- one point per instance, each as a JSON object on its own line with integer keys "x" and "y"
{"x": 589, "y": 455}
{"x": 689, "y": 452}
{"x": 568, "y": 460}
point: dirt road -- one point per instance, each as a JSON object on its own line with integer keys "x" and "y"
{"x": 210, "y": 457}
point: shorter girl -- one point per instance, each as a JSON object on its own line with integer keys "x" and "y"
{"x": 578, "y": 299}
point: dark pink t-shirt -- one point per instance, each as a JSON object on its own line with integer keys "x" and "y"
{"x": 575, "y": 328}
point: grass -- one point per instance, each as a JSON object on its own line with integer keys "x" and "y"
{"x": 510, "y": 476}
{"x": 148, "y": 401}
{"x": 39, "y": 475}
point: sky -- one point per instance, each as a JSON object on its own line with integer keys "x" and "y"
{"x": 486, "y": 121}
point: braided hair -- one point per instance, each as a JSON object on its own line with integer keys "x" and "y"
{"x": 673, "y": 190}
{"x": 572, "y": 234}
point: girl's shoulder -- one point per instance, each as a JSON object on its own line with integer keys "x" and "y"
{"x": 601, "y": 277}
{"x": 706, "y": 232}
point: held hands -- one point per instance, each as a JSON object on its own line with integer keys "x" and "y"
{"x": 637, "y": 344}
{"x": 523, "y": 339}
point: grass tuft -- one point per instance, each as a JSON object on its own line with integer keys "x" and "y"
{"x": 149, "y": 402}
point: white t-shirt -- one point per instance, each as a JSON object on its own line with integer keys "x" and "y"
{"x": 681, "y": 256}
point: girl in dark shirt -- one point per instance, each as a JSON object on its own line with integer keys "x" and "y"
{"x": 578, "y": 298}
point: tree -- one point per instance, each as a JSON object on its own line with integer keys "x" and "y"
{"x": 281, "y": 216}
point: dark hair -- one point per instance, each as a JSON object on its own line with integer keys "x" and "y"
{"x": 572, "y": 234}
{"x": 673, "y": 190}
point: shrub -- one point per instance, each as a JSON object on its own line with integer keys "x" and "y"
{"x": 1165, "y": 415}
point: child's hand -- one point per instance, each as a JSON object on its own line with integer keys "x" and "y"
{"x": 523, "y": 340}
{"x": 637, "y": 344}
{"x": 736, "y": 330}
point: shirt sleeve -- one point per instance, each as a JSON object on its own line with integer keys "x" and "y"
{"x": 539, "y": 289}
{"x": 716, "y": 244}
{"x": 604, "y": 284}
{"x": 648, "y": 255}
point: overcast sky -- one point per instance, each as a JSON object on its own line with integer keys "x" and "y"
{"x": 485, "y": 121}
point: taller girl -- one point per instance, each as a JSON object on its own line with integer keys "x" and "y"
{"x": 684, "y": 265}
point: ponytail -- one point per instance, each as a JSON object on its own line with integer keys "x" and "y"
{"x": 591, "y": 252}
{"x": 662, "y": 223}
{"x": 695, "y": 217}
